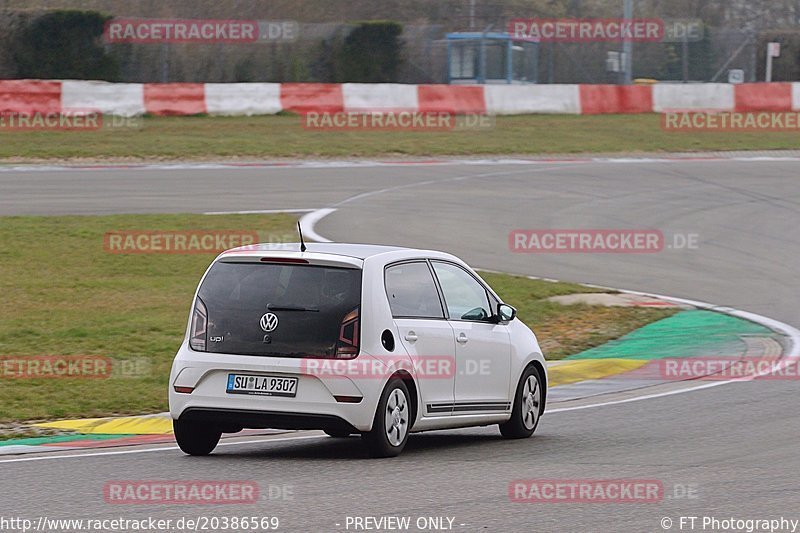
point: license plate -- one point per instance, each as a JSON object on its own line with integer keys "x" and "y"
{"x": 262, "y": 385}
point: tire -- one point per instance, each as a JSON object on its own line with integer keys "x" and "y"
{"x": 337, "y": 433}
{"x": 527, "y": 408}
{"x": 392, "y": 422}
{"x": 195, "y": 438}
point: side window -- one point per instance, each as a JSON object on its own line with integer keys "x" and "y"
{"x": 466, "y": 299}
{"x": 412, "y": 292}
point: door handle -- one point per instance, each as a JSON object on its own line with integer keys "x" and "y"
{"x": 462, "y": 338}
{"x": 411, "y": 336}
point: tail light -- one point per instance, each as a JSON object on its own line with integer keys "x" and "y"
{"x": 347, "y": 345}
{"x": 197, "y": 340}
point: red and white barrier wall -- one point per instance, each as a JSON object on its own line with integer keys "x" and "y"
{"x": 130, "y": 99}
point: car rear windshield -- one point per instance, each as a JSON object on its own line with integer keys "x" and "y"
{"x": 281, "y": 310}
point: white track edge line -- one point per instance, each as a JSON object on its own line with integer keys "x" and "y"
{"x": 700, "y": 158}
{"x": 307, "y": 223}
{"x": 148, "y": 450}
{"x": 260, "y": 212}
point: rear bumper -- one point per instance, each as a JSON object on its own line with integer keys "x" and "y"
{"x": 321, "y": 401}
{"x": 237, "y": 419}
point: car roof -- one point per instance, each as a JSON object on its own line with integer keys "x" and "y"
{"x": 353, "y": 254}
{"x": 357, "y": 251}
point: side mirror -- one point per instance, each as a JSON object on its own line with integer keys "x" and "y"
{"x": 506, "y": 313}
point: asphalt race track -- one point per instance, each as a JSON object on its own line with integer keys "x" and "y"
{"x": 734, "y": 446}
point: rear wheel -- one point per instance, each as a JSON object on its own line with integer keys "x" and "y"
{"x": 195, "y": 438}
{"x": 392, "y": 421}
{"x": 527, "y": 406}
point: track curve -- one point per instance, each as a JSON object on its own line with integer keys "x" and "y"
{"x": 736, "y": 444}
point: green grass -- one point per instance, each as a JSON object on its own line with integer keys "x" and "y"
{"x": 63, "y": 294}
{"x": 564, "y": 330}
{"x": 281, "y": 136}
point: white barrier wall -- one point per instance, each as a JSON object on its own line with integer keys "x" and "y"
{"x": 522, "y": 99}
{"x": 131, "y": 99}
{"x": 243, "y": 98}
{"x": 380, "y": 97}
{"x": 796, "y": 96}
{"x": 123, "y": 99}
{"x": 693, "y": 96}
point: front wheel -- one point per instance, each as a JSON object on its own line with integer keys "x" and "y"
{"x": 195, "y": 438}
{"x": 392, "y": 422}
{"x": 527, "y": 406}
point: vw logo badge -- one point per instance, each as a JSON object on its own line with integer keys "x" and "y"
{"x": 269, "y": 322}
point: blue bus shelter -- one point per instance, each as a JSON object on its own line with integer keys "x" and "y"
{"x": 491, "y": 57}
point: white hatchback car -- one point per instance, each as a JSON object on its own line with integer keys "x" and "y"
{"x": 351, "y": 339}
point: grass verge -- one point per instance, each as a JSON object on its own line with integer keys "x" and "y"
{"x": 564, "y": 330}
{"x": 63, "y": 294}
{"x": 281, "y": 136}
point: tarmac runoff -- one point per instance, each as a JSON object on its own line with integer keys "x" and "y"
{"x": 617, "y": 367}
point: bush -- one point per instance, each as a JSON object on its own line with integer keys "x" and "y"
{"x": 668, "y": 66}
{"x": 65, "y": 44}
{"x": 371, "y": 53}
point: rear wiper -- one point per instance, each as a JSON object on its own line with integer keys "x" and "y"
{"x": 272, "y": 307}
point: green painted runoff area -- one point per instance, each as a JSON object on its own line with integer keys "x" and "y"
{"x": 36, "y": 441}
{"x": 695, "y": 333}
